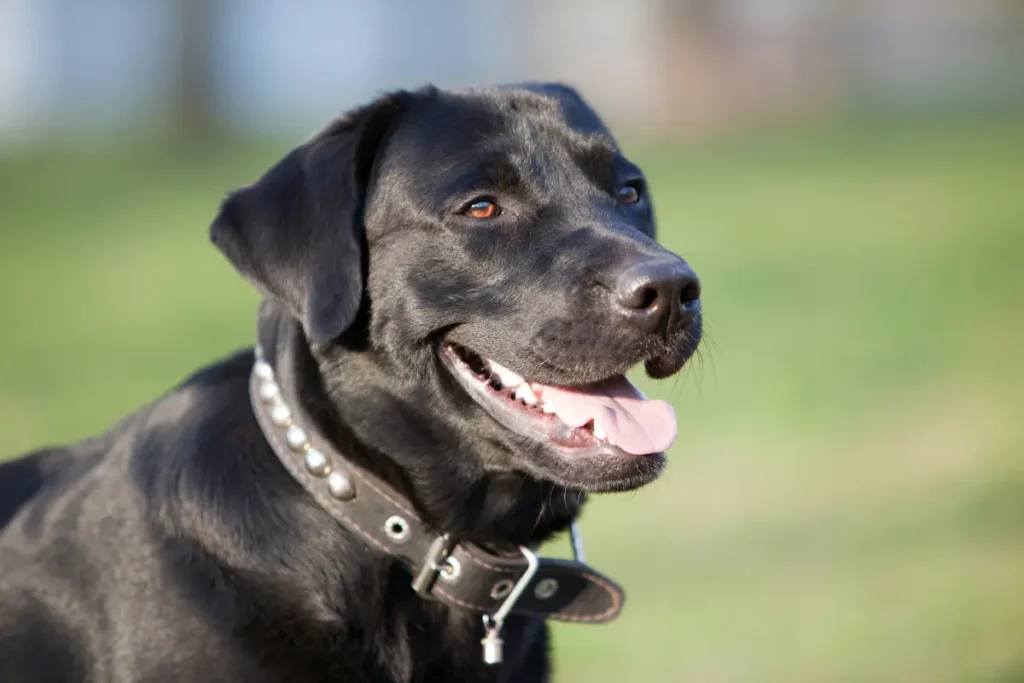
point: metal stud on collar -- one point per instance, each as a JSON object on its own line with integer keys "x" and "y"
{"x": 297, "y": 439}
{"x": 269, "y": 390}
{"x": 316, "y": 462}
{"x": 281, "y": 415}
{"x": 340, "y": 486}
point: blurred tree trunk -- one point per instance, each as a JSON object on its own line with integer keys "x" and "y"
{"x": 194, "y": 118}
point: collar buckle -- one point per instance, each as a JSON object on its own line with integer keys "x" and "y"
{"x": 436, "y": 561}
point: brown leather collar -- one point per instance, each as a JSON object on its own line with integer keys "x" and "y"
{"x": 460, "y": 574}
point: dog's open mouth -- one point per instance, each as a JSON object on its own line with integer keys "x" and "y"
{"x": 608, "y": 415}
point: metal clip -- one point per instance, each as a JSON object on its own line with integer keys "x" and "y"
{"x": 432, "y": 563}
{"x": 492, "y": 642}
{"x": 576, "y": 537}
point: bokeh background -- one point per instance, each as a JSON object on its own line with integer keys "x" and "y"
{"x": 846, "y": 499}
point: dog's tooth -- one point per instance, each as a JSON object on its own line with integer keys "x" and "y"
{"x": 599, "y": 430}
{"x": 547, "y": 408}
{"x": 524, "y": 392}
{"x": 508, "y": 378}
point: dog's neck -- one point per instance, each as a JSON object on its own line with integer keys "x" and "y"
{"x": 306, "y": 582}
{"x": 354, "y": 399}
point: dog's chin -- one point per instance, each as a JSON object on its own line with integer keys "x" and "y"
{"x": 554, "y": 434}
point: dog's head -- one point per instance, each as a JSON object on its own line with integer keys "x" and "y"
{"x": 490, "y": 254}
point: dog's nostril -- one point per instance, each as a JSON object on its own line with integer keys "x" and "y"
{"x": 658, "y": 292}
{"x": 690, "y": 294}
{"x": 648, "y": 298}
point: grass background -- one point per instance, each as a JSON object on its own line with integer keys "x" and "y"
{"x": 846, "y": 499}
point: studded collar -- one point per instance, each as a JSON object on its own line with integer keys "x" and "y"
{"x": 460, "y": 574}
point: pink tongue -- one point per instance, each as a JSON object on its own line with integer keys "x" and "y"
{"x": 633, "y": 423}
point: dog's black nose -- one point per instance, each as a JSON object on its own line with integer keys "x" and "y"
{"x": 659, "y": 292}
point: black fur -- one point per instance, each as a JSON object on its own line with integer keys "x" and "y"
{"x": 176, "y": 547}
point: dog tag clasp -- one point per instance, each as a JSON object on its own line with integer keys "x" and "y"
{"x": 492, "y": 641}
{"x": 493, "y": 646}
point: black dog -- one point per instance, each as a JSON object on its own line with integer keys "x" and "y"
{"x": 454, "y": 284}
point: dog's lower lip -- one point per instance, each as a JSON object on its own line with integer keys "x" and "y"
{"x": 570, "y": 419}
{"x": 559, "y": 433}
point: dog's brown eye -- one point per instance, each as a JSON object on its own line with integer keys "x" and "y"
{"x": 482, "y": 209}
{"x": 629, "y": 194}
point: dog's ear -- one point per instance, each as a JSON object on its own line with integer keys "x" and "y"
{"x": 297, "y": 233}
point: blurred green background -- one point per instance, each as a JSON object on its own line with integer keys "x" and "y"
{"x": 846, "y": 498}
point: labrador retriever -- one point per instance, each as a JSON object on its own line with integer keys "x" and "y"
{"x": 454, "y": 284}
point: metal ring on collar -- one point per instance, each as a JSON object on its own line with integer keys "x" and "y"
{"x": 396, "y": 528}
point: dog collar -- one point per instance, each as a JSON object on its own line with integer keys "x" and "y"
{"x": 460, "y": 574}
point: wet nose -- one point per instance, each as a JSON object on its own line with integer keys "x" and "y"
{"x": 659, "y": 292}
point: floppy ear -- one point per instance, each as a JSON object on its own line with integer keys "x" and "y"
{"x": 297, "y": 233}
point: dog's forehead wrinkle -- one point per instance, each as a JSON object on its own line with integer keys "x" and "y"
{"x": 536, "y": 141}
{"x": 495, "y": 172}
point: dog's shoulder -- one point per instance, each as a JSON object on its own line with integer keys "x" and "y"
{"x": 163, "y": 431}
{"x": 83, "y": 550}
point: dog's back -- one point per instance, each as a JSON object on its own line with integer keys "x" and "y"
{"x": 23, "y": 479}
{"x": 38, "y": 552}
